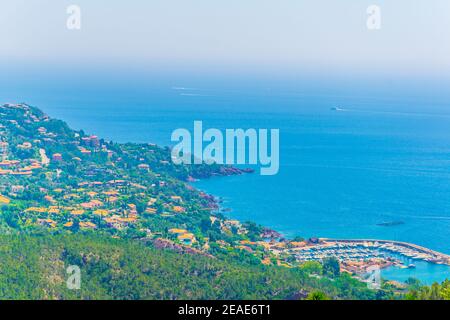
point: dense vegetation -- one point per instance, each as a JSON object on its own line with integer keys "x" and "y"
{"x": 434, "y": 292}
{"x": 34, "y": 267}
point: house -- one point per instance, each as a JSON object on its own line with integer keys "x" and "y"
{"x": 87, "y": 225}
{"x": 179, "y": 209}
{"x": 298, "y": 244}
{"x": 77, "y": 212}
{"x": 92, "y": 204}
{"x": 24, "y": 146}
{"x": 49, "y": 199}
{"x": 150, "y": 210}
{"x": 36, "y": 210}
{"x": 4, "y": 148}
{"x": 177, "y": 231}
{"x": 183, "y": 236}
{"x": 17, "y": 189}
{"x": 9, "y": 163}
{"x": 57, "y": 157}
{"x": 54, "y": 210}
{"x": 111, "y": 193}
{"x": 187, "y": 238}
{"x": 91, "y": 141}
{"x": 95, "y": 142}
{"x": 101, "y": 212}
{"x": 42, "y": 130}
{"x": 176, "y": 198}
{"x": 229, "y": 225}
{"x": 68, "y": 224}
{"x": 112, "y": 199}
{"x": 85, "y": 151}
{"x": 129, "y": 219}
{"x": 117, "y": 222}
{"x": 4, "y": 200}
{"x": 21, "y": 173}
{"x": 143, "y": 167}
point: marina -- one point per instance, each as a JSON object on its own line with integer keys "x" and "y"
{"x": 356, "y": 256}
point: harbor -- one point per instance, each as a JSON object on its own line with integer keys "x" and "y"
{"x": 357, "y": 255}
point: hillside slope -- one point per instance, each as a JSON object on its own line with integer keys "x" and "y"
{"x": 34, "y": 267}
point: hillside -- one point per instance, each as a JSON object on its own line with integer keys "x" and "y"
{"x": 120, "y": 269}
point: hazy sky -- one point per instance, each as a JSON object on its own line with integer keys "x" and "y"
{"x": 314, "y": 35}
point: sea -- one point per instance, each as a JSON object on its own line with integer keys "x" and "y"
{"x": 353, "y": 164}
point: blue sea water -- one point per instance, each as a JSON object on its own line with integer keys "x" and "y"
{"x": 341, "y": 173}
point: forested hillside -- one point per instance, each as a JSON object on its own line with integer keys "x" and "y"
{"x": 34, "y": 267}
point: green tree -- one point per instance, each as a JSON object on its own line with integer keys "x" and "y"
{"x": 317, "y": 295}
{"x": 312, "y": 267}
{"x": 331, "y": 267}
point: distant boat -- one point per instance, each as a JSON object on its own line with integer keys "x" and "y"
{"x": 390, "y": 224}
{"x": 337, "y": 109}
{"x": 411, "y": 266}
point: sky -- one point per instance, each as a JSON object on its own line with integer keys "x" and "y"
{"x": 313, "y": 36}
{"x": 141, "y": 48}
